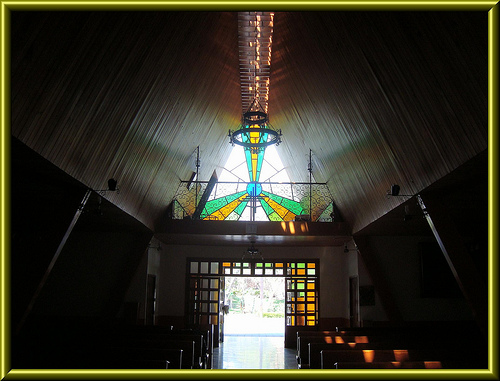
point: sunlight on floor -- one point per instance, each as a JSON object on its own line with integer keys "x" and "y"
{"x": 254, "y": 352}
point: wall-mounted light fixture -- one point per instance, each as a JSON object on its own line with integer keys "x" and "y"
{"x": 158, "y": 248}
{"x": 346, "y": 249}
{"x": 394, "y": 191}
{"x": 112, "y": 187}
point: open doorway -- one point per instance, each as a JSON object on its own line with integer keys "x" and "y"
{"x": 255, "y": 306}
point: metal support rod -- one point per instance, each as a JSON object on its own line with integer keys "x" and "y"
{"x": 310, "y": 184}
{"x": 461, "y": 264}
{"x": 197, "y": 174}
{"x": 55, "y": 257}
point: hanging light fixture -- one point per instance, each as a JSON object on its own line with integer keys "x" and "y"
{"x": 255, "y": 133}
{"x": 252, "y": 253}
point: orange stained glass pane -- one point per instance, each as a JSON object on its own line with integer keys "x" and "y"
{"x": 226, "y": 264}
{"x": 300, "y": 307}
{"x": 311, "y": 294}
{"x": 301, "y": 320}
{"x": 311, "y": 307}
{"x": 301, "y": 272}
{"x": 310, "y": 285}
{"x": 311, "y": 265}
{"x": 278, "y": 264}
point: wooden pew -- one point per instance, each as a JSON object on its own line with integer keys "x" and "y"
{"x": 314, "y": 350}
{"x": 390, "y": 365}
{"x": 303, "y": 344}
{"x": 106, "y": 358}
{"x": 329, "y": 358}
{"x": 130, "y": 357}
{"x": 139, "y": 336}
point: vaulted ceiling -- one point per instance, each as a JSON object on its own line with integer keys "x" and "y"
{"x": 379, "y": 97}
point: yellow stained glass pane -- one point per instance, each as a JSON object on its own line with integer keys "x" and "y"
{"x": 282, "y": 212}
{"x": 310, "y": 307}
{"x": 226, "y": 210}
{"x": 311, "y": 323}
{"x": 254, "y": 167}
{"x": 309, "y": 299}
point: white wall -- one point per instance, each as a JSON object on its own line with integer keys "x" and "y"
{"x": 334, "y": 277}
{"x": 399, "y": 259}
{"x": 150, "y": 264}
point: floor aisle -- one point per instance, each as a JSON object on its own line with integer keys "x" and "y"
{"x": 253, "y": 352}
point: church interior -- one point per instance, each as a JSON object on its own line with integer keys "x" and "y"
{"x": 119, "y": 139}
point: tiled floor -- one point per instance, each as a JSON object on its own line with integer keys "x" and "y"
{"x": 253, "y": 352}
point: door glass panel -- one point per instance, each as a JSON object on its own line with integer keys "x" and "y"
{"x": 204, "y": 267}
{"x": 194, "y": 267}
{"x": 214, "y": 268}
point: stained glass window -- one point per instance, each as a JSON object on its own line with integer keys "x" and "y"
{"x": 254, "y": 186}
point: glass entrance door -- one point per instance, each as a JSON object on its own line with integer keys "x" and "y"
{"x": 206, "y": 287}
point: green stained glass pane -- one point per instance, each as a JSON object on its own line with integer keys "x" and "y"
{"x": 292, "y": 206}
{"x": 326, "y": 215}
{"x": 233, "y": 216}
{"x": 248, "y": 157}
{"x": 274, "y": 217}
{"x": 239, "y": 209}
{"x": 219, "y": 203}
{"x": 271, "y": 214}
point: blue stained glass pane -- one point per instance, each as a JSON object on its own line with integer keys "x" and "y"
{"x": 254, "y": 189}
